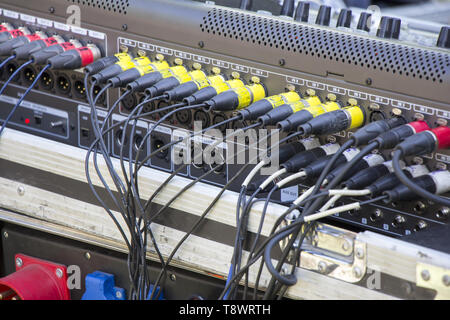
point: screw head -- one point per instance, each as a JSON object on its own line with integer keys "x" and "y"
{"x": 59, "y": 273}
{"x": 425, "y": 274}
{"x": 201, "y": 44}
{"x": 6, "y": 235}
{"x": 51, "y": 10}
{"x": 281, "y": 62}
{"x": 124, "y": 27}
{"x": 173, "y": 277}
{"x": 118, "y": 295}
{"x": 19, "y": 262}
{"x": 87, "y": 255}
{"x": 369, "y": 81}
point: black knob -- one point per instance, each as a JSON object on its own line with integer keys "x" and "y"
{"x": 364, "y": 21}
{"x": 246, "y": 4}
{"x": 389, "y": 28}
{"x": 345, "y": 18}
{"x": 324, "y": 16}
{"x": 288, "y": 8}
{"x": 444, "y": 38}
{"x": 302, "y": 11}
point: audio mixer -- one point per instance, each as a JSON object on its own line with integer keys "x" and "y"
{"x": 352, "y": 98}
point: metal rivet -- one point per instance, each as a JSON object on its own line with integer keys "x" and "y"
{"x": 196, "y": 66}
{"x": 6, "y": 235}
{"x": 441, "y": 122}
{"x": 59, "y": 273}
{"x": 374, "y": 106}
{"x": 178, "y": 61}
{"x": 173, "y": 277}
{"x": 124, "y": 27}
{"x": 357, "y": 272}
{"x": 201, "y": 44}
{"x": 397, "y": 112}
{"x": 446, "y": 280}
{"x": 425, "y": 274}
{"x": 215, "y": 71}
{"x": 281, "y": 62}
{"x": 352, "y": 102}
{"x": 359, "y": 253}
{"x": 118, "y": 295}
{"x": 368, "y": 81}
{"x": 290, "y": 87}
{"x": 256, "y": 79}
{"x": 51, "y": 10}
{"x": 345, "y": 245}
{"x": 322, "y": 266}
{"x": 21, "y": 190}
{"x": 417, "y": 160}
{"x": 123, "y": 48}
{"x": 87, "y": 255}
{"x": 19, "y": 262}
{"x": 331, "y": 97}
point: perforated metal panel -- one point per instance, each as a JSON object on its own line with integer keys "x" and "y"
{"x": 118, "y": 6}
{"x": 323, "y": 44}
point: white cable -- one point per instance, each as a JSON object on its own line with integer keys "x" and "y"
{"x": 292, "y": 177}
{"x": 253, "y": 173}
{"x": 271, "y": 178}
{"x": 330, "y": 202}
{"x": 348, "y": 193}
{"x": 337, "y": 194}
{"x": 303, "y": 196}
{"x": 326, "y": 213}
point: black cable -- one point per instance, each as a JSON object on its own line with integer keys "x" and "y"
{"x": 411, "y": 185}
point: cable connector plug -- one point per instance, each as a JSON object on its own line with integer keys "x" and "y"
{"x": 372, "y": 130}
{"x": 425, "y": 142}
{"x": 391, "y": 138}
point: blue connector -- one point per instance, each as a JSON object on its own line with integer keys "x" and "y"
{"x": 100, "y": 286}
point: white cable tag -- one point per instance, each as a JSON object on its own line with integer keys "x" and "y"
{"x": 330, "y": 148}
{"x": 442, "y": 180}
{"x": 350, "y": 153}
{"x": 417, "y": 170}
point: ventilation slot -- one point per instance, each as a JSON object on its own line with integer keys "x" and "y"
{"x": 118, "y": 6}
{"x": 327, "y": 45}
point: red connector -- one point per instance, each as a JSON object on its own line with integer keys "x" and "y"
{"x": 442, "y": 135}
{"x": 35, "y": 279}
{"x": 426, "y": 142}
{"x": 75, "y": 58}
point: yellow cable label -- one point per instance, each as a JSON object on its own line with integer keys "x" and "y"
{"x": 323, "y": 108}
{"x": 173, "y": 71}
{"x": 249, "y": 94}
{"x": 141, "y": 61}
{"x": 210, "y": 81}
{"x": 156, "y": 66}
{"x": 227, "y": 85}
{"x": 356, "y": 116}
{"x": 305, "y": 103}
{"x": 123, "y": 56}
{"x": 283, "y": 98}
{"x": 126, "y": 64}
